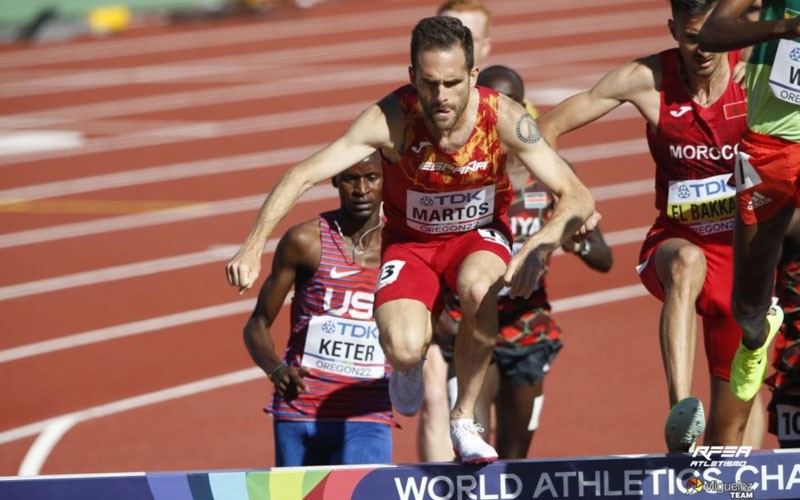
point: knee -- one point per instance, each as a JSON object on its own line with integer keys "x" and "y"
{"x": 688, "y": 264}
{"x": 403, "y": 350}
{"x": 474, "y": 294}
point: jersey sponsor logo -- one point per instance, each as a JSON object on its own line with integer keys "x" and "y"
{"x": 457, "y": 211}
{"x": 677, "y": 113}
{"x": 734, "y": 110}
{"x": 703, "y": 152}
{"x": 348, "y": 303}
{"x": 706, "y": 205}
{"x": 439, "y": 166}
{"x": 758, "y": 200}
{"x": 343, "y": 274}
{"x": 344, "y": 347}
{"x": 419, "y": 147}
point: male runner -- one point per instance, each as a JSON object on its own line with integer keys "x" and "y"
{"x": 444, "y": 144}
{"x": 695, "y": 115}
{"x": 331, "y": 400}
{"x": 529, "y": 338}
{"x": 433, "y": 431}
{"x": 767, "y": 171}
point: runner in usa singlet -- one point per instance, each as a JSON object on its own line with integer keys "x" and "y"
{"x": 432, "y": 195}
{"x": 335, "y": 337}
{"x": 694, "y": 148}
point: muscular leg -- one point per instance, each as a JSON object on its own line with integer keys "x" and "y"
{"x": 405, "y": 332}
{"x": 756, "y": 250}
{"x": 681, "y": 269}
{"x": 483, "y": 409}
{"x": 513, "y": 418}
{"x": 728, "y": 416}
{"x": 478, "y": 282}
{"x": 756, "y": 427}
{"x": 433, "y": 433}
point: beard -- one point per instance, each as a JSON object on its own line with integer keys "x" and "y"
{"x": 446, "y": 121}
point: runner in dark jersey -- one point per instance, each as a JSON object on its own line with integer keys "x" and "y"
{"x": 331, "y": 400}
{"x": 767, "y": 173}
{"x": 784, "y": 407}
{"x": 446, "y": 191}
{"x": 695, "y": 115}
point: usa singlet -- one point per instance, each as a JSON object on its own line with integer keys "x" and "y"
{"x": 334, "y": 335}
{"x": 430, "y": 194}
{"x": 694, "y": 150}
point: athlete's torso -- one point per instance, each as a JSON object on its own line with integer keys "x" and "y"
{"x": 430, "y": 194}
{"x": 694, "y": 152}
{"x": 334, "y": 335}
{"x": 773, "y": 79}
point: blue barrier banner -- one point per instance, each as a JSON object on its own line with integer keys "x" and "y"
{"x": 710, "y": 472}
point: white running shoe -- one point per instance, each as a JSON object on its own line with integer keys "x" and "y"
{"x": 685, "y": 424}
{"x": 406, "y": 390}
{"x": 468, "y": 444}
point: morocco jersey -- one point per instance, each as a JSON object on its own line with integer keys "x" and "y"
{"x": 694, "y": 150}
{"x": 334, "y": 335}
{"x": 430, "y": 194}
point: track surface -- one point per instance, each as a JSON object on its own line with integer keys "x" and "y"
{"x": 121, "y": 346}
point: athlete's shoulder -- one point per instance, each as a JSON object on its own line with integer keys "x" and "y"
{"x": 300, "y": 244}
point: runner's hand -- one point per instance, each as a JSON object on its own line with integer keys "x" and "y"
{"x": 524, "y": 271}
{"x": 587, "y": 227}
{"x": 243, "y": 269}
{"x": 289, "y": 382}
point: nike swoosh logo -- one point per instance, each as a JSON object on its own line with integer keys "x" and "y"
{"x": 342, "y": 274}
{"x": 680, "y": 112}
{"x": 421, "y": 145}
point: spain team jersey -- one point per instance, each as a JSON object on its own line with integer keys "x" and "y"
{"x": 430, "y": 194}
{"x": 694, "y": 150}
{"x": 335, "y": 337}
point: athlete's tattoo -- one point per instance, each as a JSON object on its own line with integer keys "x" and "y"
{"x": 527, "y": 130}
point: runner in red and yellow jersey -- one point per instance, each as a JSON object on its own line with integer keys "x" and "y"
{"x": 454, "y": 230}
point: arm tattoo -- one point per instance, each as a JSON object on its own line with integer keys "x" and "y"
{"x": 527, "y": 130}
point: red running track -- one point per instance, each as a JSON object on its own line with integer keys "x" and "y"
{"x": 121, "y": 346}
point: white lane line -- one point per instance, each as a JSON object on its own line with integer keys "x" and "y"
{"x": 251, "y": 161}
{"x": 44, "y": 444}
{"x": 167, "y": 264}
{"x": 204, "y": 385}
{"x": 567, "y": 304}
{"x": 613, "y": 238}
{"x": 128, "y": 329}
{"x": 220, "y": 36}
{"x": 597, "y": 298}
{"x": 163, "y": 173}
{"x": 522, "y": 61}
{"x": 242, "y": 65}
{"x": 244, "y": 204}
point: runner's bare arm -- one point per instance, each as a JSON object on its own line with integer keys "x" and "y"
{"x": 520, "y": 136}
{"x": 367, "y": 133}
{"x": 724, "y": 30}
{"x": 297, "y": 255}
{"x": 632, "y": 82}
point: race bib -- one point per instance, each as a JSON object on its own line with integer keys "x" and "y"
{"x": 343, "y": 346}
{"x": 707, "y": 206}
{"x": 453, "y": 212}
{"x": 784, "y": 79}
{"x": 788, "y": 422}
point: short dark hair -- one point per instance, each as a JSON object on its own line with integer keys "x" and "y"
{"x": 441, "y": 33}
{"x": 691, "y": 7}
